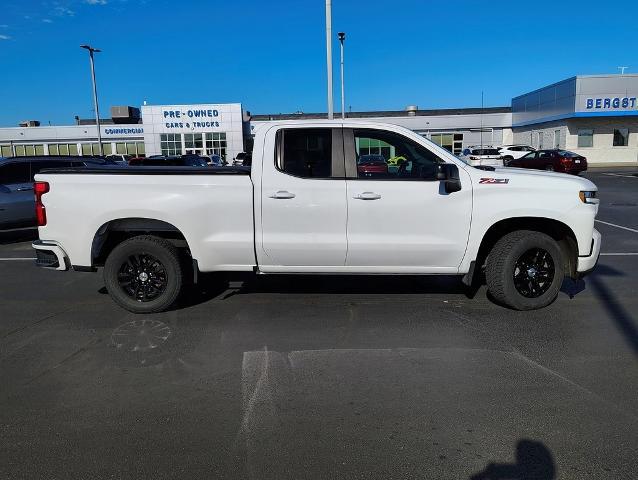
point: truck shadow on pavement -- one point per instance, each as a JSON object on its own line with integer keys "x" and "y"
{"x": 534, "y": 461}
{"x": 622, "y": 318}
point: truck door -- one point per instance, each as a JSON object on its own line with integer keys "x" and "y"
{"x": 303, "y": 200}
{"x": 401, "y": 219}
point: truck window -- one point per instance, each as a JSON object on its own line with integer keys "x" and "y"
{"x": 397, "y": 157}
{"x": 306, "y": 152}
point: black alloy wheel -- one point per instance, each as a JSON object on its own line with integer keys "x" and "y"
{"x": 145, "y": 274}
{"x": 525, "y": 270}
{"x": 142, "y": 277}
{"x": 534, "y": 273}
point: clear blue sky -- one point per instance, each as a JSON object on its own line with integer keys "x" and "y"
{"x": 270, "y": 55}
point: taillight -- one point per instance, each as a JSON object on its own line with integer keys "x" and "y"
{"x": 40, "y": 188}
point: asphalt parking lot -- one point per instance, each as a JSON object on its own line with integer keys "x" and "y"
{"x": 324, "y": 377}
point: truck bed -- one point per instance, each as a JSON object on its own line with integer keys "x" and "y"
{"x": 211, "y": 207}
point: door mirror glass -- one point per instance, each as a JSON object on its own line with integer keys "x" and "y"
{"x": 449, "y": 174}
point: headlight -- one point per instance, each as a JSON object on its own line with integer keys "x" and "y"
{"x": 588, "y": 196}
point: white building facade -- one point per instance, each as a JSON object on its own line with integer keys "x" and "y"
{"x": 595, "y": 116}
{"x": 203, "y": 129}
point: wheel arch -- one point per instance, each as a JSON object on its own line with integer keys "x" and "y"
{"x": 559, "y": 231}
{"x": 115, "y": 231}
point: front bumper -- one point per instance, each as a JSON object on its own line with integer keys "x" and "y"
{"x": 588, "y": 262}
{"x": 50, "y": 255}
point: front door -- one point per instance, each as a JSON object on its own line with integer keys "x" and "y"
{"x": 303, "y": 201}
{"x": 399, "y": 217}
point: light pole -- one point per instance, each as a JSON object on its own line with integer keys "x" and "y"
{"x": 329, "y": 56}
{"x": 97, "y": 108}
{"x": 342, "y": 37}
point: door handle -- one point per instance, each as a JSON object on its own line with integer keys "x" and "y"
{"x": 24, "y": 189}
{"x": 283, "y": 194}
{"x": 367, "y": 196}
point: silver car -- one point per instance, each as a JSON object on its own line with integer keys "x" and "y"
{"x": 483, "y": 155}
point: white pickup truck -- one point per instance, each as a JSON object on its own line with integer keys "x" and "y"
{"x": 311, "y": 204}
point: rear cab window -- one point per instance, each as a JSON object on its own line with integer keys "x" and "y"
{"x": 305, "y": 152}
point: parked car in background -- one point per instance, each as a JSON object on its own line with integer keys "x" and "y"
{"x": 17, "y": 205}
{"x": 373, "y": 165}
{"x": 119, "y": 159}
{"x": 215, "y": 160}
{"x": 553, "y": 160}
{"x": 240, "y": 158}
{"x": 512, "y": 152}
{"x": 484, "y": 155}
{"x": 169, "y": 161}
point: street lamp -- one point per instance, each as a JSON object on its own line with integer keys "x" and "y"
{"x": 342, "y": 37}
{"x": 329, "y": 57}
{"x": 97, "y": 108}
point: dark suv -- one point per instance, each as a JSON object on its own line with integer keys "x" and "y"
{"x": 17, "y": 208}
{"x": 553, "y": 160}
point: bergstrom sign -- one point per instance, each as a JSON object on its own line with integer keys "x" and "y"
{"x": 611, "y": 103}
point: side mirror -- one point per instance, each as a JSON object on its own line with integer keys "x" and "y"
{"x": 449, "y": 174}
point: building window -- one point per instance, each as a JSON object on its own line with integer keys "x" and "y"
{"x": 93, "y": 149}
{"x": 193, "y": 142}
{"x": 216, "y": 144}
{"x": 64, "y": 149}
{"x": 556, "y": 138}
{"x": 540, "y": 140}
{"x": 22, "y": 150}
{"x": 452, "y": 142}
{"x": 621, "y": 137}
{"x": 585, "y": 138}
{"x": 171, "y": 143}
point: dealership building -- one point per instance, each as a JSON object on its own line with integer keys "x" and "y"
{"x": 594, "y": 115}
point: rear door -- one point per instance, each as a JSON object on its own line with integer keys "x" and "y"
{"x": 16, "y": 195}
{"x": 303, "y": 201}
{"x": 403, "y": 221}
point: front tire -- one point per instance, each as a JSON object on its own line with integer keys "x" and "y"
{"x": 144, "y": 274}
{"x": 525, "y": 270}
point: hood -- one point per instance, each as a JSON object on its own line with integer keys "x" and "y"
{"x": 524, "y": 175}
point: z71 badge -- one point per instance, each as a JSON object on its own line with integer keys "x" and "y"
{"x": 494, "y": 180}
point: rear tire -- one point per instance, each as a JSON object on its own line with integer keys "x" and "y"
{"x": 525, "y": 270}
{"x": 549, "y": 168}
{"x": 144, "y": 274}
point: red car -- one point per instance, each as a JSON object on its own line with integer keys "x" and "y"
{"x": 372, "y": 166}
{"x": 552, "y": 160}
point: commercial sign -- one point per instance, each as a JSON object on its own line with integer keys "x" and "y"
{"x": 123, "y": 131}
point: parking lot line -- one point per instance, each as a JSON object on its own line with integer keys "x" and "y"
{"x": 619, "y": 254}
{"x": 620, "y": 175}
{"x": 618, "y": 226}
